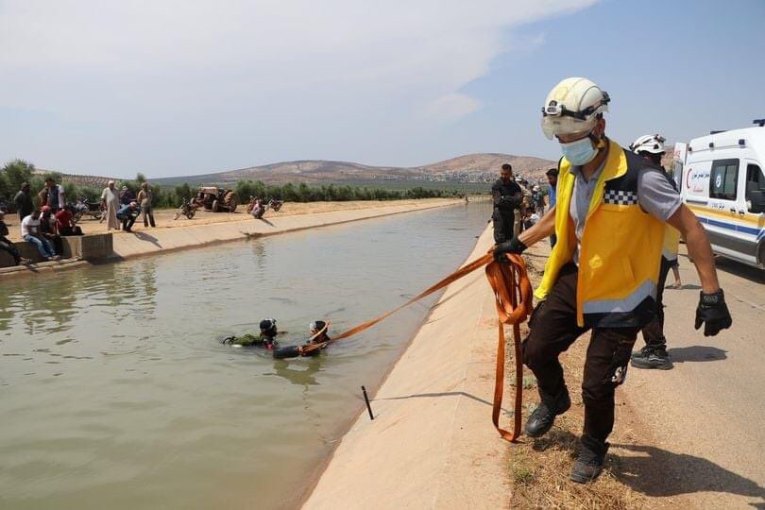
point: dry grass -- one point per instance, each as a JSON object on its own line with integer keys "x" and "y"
{"x": 538, "y": 469}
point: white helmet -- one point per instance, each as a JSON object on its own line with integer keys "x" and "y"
{"x": 572, "y": 107}
{"x": 649, "y": 143}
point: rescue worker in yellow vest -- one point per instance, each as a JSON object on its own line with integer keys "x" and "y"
{"x": 601, "y": 276}
{"x": 654, "y": 354}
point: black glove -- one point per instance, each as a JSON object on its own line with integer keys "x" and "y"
{"x": 713, "y": 312}
{"x": 514, "y": 245}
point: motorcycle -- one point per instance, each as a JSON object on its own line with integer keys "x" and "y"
{"x": 187, "y": 209}
{"x": 275, "y": 204}
{"x": 84, "y": 208}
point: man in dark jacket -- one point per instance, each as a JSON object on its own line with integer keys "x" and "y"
{"x": 507, "y": 197}
{"x": 23, "y": 201}
{"x": 6, "y": 244}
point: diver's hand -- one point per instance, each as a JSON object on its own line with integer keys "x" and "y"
{"x": 713, "y": 313}
{"x": 514, "y": 245}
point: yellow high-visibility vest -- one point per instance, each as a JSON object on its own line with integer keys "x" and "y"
{"x": 621, "y": 246}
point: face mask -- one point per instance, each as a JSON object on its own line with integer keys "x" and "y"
{"x": 580, "y": 152}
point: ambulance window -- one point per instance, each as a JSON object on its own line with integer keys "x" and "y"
{"x": 754, "y": 192}
{"x": 755, "y": 180}
{"x": 723, "y": 179}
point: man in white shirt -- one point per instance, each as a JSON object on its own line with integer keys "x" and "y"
{"x": 110, "y": 198}
{"x": 30, "y": 232}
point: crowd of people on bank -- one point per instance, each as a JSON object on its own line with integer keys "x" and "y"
{"x": 47, "y": 217}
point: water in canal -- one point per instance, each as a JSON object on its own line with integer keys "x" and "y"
{"x": 115, "y": 393}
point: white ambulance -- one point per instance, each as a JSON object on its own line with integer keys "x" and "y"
{"x": 721, "y": 178}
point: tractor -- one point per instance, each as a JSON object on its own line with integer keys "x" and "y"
{"x": 216, "y": 199}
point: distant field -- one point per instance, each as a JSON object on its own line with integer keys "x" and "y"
{"x": 397, "y": 185}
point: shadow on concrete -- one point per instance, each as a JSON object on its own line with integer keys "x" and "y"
{"x": 143, "y": 236}
{"x": 660, "y": 473}
{"x": 685, "y": 286}
{"x": 696, "y": 353}
{"x": 265, "y": 221}
{"x": 445, "y": 394}
{"x": 741, "y": 270}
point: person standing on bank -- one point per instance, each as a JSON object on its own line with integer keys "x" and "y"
{"x": 55, "y": 195}
{"x": 611, "y": 209}
{"x": 654, "y": 354}
{"x": 110, "y": 199}
{"x": 145, "y": 196}
{"x": 23, "y": 201}
{"x": 507, "y": 197}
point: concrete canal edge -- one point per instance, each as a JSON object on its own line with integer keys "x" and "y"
{"x": 432, "y": 443}
{"x": 100, "y": 248}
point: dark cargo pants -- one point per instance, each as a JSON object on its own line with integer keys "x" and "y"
{"x": 553, "y": 329}
{"x": 653, "y": 332}
{"x": 504, "y": 225}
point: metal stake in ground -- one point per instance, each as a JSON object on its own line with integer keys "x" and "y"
{"x": 366, "y": 399}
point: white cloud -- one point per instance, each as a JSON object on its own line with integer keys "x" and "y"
{"x": 139, "y": 70}
{"x": 451, "y": 107}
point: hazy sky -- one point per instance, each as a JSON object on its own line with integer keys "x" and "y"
{"x": 180, "y": 87}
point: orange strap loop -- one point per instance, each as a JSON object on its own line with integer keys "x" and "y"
{"x": 513, "y": 299}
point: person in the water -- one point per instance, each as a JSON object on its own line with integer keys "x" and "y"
{"x": 318, "y": 332}
{"x": 266, "y": 339}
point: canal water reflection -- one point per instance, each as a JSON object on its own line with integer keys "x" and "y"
{"x": 117, "y": 394}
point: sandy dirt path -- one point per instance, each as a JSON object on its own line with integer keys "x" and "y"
{"x": 704, "y": 419}
{"x": 164, "y": 218}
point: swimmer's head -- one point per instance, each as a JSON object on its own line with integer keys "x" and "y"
{"x": 316, "y": 326}
{"x": 268, "y": 327}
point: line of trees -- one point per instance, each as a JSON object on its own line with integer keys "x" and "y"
{"x": 13, "y": 174}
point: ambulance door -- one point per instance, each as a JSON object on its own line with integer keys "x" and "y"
{"x": 726, "y": 196}
{"x": 753, "y": 209}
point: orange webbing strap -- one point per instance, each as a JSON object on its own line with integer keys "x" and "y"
{"x": 512, "y": 291}
{"x": 469, "y": 268}
{"x": 513, "y": 299}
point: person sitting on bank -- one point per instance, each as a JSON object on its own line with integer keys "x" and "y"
{"x": 267, "y": 337}
{"x": 30, "y": 232}
{"x": 127, "y": 214}
{"x": 7, "y": 245}
{"x": 49, "y": 231}
{"x": 65, "y": 223}
{"x": 258, "y": 209}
